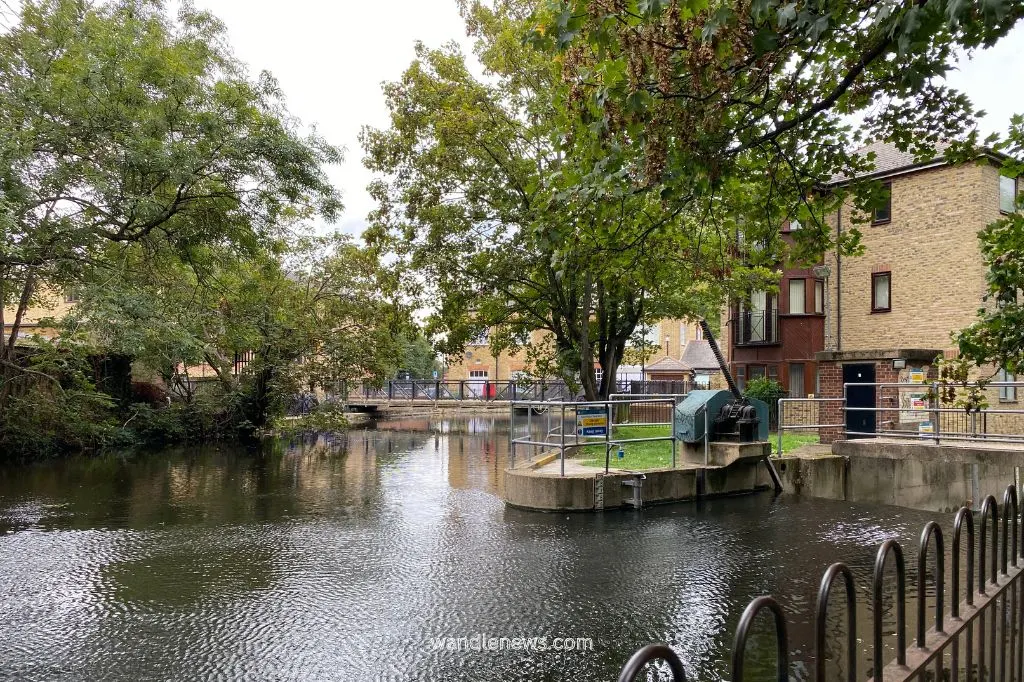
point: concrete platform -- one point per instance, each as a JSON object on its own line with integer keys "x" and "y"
{"x": 586, "y": 488}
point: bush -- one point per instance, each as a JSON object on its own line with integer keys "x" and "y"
{"x": 763, "y": 388}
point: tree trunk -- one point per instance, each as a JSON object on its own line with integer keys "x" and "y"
{"x": 588, "y": 379}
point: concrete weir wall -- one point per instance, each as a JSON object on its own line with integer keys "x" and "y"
{"x": 528, "y": 489}
{"x": 930, "y": 477}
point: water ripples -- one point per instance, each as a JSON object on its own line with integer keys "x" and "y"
{"x": 316, "y": 563}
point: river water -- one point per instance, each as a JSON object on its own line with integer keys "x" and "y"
{"x": 343, "y": 559}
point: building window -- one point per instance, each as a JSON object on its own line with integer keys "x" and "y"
{"x": 1007, "y": 394}
{"x": 883, "y": 212}
{"x": 699, "y": 333}
{"x": 741, "y": 377}
{"x": 478, "y": 374}
{"x": 881, "y": 292}
{"x": 797, "y": 297}
{"x": 757, "y": 371}
{"x": 72, "y": 297}
{"x": 481, "y": 339}
{"x": 773, "y": 372}
{"x": 682, "y": 335}
{"x": 1007, "y": 194}
{"x": 794, "y": 225}
{"x": 819, "y": 296}
{"x": 796, "y": 380}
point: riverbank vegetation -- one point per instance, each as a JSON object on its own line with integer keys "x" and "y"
{"x": 154, "y": 184}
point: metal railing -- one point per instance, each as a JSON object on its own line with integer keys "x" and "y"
{"x": 545, "y": 428}
{"x": 986, "y": 626}
{"x": 483, "y": 390}
{"x": 755, "y": 327}
{"x": 923, "y": 418}
{"x": 812, "y": 416}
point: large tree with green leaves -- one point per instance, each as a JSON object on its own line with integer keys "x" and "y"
{"x": 702, "y": 97}
{"x": 121, "y": 126}
{"x": 483, "y": 199}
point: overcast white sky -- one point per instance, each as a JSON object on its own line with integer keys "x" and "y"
{"x": 331, "y": 58}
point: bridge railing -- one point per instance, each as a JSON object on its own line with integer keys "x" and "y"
{"x": 489, "y": 390}
{"x": 482, "y": 390}
{"x": 979, "y": 637}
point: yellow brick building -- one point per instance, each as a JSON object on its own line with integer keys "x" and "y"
{"x": 668, "y": 339}
{"x": 48, "y": 303}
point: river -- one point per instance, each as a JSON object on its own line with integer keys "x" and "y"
{"x": 344, "y": 558}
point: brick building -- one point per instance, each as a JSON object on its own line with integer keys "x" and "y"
{"x": 777, "y": 335}
{"x": 921, "y": 277}
{"x": 668, "y": 337}
{"x": 883, "y": 316}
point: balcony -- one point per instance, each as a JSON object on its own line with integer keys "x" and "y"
{"x": 755, "y": 327}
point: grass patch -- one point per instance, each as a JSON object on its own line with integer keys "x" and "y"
{"x": 791, "y": 440}
{"x": 652, "y": 455}
{"x": 658, "y": 454}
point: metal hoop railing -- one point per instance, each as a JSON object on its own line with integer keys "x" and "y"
{"x": 992, "y": 607}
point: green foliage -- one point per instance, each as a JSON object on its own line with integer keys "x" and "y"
{"x": 955, "y": 386}
{"x": 417, "y": 357}
{"x": 764, "y": 389}
{"x": 484, "y": 203}
{"x": 146, "y": 171}
{"x": 737, "y": 112}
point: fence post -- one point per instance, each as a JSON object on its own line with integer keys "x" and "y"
{"x": 562, "y": 450}
{"x": 462, "y": 389}
{"x": 779, "y": 428}
{"x": 935, "y": 410}
{"x": 391, "y": 390}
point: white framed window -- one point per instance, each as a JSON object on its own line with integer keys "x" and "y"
{"x": 1007, "y": 194}
{"x": 819, "y": 296}
{"x": 797, "y": 296}
{"x": 794, "y": 225}
{"x": 881, "y": 292}
{"x": 682, "y": 335}
{"x": 478, "y": 374}
{"x": 1007, "y": 394}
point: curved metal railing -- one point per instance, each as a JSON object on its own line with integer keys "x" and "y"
{"x": 989, "y": 621}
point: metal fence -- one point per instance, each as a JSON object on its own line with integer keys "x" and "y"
{"x": 803, "y": 414}
{"x": 979, "y": 639}
{"x": 591, "y": 433}
{"x": 912, "y": 411}
{"x": 489, "y": 390}
{"x": 471, "y": 389}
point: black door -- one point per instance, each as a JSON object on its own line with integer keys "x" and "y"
{"x": 861, "y": 421}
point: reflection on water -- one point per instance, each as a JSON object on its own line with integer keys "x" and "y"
{"x": 339, "y": 559}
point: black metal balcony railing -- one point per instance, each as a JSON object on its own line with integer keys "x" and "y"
{"x": 755, "y": 327}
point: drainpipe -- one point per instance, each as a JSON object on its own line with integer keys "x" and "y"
{"x": 839, "y": 281}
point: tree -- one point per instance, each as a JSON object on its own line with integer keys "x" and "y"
{"x": 120, "y": 127}
{"x": 417, "y": 356}
{"x": 304, "y": 317}
{"x": 701, "y": 100}
{"x": 997, "y": 337}
{"x": 481, "y": 197}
